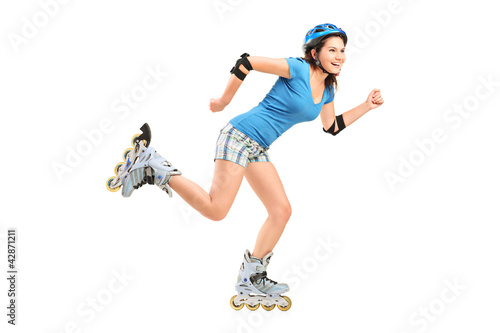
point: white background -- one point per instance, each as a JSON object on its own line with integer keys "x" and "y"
{"x": 399, "y": 248}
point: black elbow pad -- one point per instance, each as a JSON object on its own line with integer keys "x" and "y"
{"x": 242, "y": 61}
{"x": 340, "y": 121}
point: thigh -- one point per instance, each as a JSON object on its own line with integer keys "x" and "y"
{"x": 226, "y": 183}
{"x": 266, "y": 183}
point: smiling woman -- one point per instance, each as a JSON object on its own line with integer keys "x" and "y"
{"x": 303, "y": 91}
{"x": 315, "y": 41}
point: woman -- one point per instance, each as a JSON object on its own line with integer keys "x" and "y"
{"x": 304, "y": 90}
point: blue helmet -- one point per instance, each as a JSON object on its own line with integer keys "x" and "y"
{"x": 314, "y": 35}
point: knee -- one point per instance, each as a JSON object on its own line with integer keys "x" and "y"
{"x": 281, "y": 213}
{"x": 217, "y": 215}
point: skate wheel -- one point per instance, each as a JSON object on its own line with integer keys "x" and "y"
{"x": 239, "y": 307}
{"x": 133, "y": 139}
{"x": 286, "y": 308}
{"x": 268, "y": 308}
{"x": 117, "y": 168}
{"x": 108, "y": 183}
{"x": 254, "y": 307}
{"x": 125, "y": 153}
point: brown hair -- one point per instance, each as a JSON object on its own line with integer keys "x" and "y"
{"x": 331, "y": 80}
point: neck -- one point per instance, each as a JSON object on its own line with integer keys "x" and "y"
{"x": 318, "y": 75}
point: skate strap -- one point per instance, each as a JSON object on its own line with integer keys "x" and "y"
{"x": 260, "y": 268}
{"x": 262, "y": 276}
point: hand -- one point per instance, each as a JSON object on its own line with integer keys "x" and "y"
{"x": 216, "y": 105}
{"x": 375, "y": 99}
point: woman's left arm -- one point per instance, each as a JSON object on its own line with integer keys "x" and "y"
{"x": 328, "y": 118}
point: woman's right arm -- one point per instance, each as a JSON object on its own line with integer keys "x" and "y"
{"x": 260, "y": 64}
{"x": 218, "y": 104}
{"x": 270, "y": 66}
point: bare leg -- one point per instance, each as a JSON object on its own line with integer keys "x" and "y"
{"x": 216, "y": 204}
{"x": 266, "y": 183}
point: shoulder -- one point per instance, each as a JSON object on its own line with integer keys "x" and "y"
{"x": 330, "y": 91}
{"x": 296, "y": 60}
{"x": 297, "y": 65}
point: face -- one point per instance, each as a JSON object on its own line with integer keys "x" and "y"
{"x": 332, "y": 55}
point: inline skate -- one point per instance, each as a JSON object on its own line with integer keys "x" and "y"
{"x": 254, "y": 288}
{"x": 143, "y": 165}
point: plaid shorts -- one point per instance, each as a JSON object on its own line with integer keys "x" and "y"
{"x": 234, "y": 146}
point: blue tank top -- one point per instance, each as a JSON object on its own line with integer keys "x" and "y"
{"x": 288, "y": 103}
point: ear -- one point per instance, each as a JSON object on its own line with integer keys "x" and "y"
{"x": 313, "y": 54}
